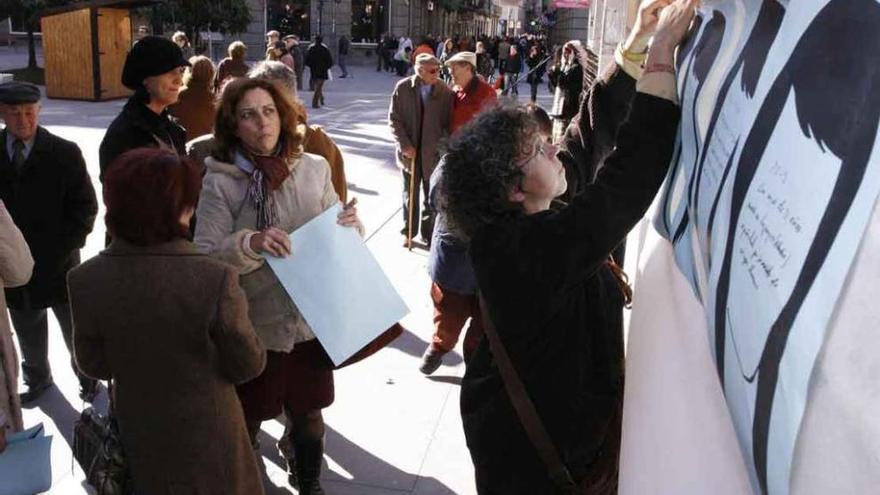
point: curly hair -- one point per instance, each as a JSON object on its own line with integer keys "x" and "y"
{"x": 226, "y": 122}
{"x": 480, "y": 170}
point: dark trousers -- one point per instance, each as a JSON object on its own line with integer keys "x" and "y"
{"x": 451, "y": 311}
{"x": 402, "y": 67}
{"x": 512, "y": 83}
{"x": 299, "y": 78}
{"x": 535, "y": 90}
{"x": 318, "y": 96}
{"x": 32, "y": 329}
{"x": 341, "y": 62}
{"x": 424, "y": 214}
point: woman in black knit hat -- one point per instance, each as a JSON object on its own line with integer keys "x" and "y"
{"x": 154, "y": 70}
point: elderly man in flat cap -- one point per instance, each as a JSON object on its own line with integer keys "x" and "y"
{"x": 419, "y": 116}
{"x": 48, "y": 192}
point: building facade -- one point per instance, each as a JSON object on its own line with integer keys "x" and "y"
{"x": 365, "y": 21}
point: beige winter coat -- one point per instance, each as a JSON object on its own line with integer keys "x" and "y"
{"x": 225, "y": 216}
{"x": 405, "y": 114}
{"x": 16, "y": 265}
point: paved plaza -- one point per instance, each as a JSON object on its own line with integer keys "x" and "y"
{"x": 391, "y": 430}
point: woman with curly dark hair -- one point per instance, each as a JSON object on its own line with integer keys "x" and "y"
{"x": 547, "y": 292}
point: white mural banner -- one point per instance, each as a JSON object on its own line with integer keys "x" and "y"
{"x": 770, "y": 191}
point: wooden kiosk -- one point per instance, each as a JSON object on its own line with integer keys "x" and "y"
{"x": 84, "y": 47}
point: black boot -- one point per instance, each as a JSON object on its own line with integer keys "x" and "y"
{"x": 309, "y": 457}
{"x": 308, "y": 448}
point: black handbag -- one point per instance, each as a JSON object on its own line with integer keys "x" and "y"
{"x": 98, "y": 449}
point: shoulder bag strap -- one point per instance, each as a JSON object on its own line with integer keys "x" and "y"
{"x": 525, "y": 408}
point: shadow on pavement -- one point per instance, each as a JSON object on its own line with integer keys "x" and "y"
{"x": 450, "y": 379}
{"x": 60, "y": 411}
{"x": 411, "y": 344}
{"x": 365, "y": 469}
{"x": 360, "y": 190}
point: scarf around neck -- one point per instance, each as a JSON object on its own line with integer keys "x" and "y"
{"x": 267, "y": 173}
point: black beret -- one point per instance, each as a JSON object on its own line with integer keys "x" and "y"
{"x": 151, "y": 56}
{"x": 16, "y": 93}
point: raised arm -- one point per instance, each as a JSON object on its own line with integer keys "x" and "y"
{"x": 571, "y": 244}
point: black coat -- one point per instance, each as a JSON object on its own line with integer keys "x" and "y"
{"x": 571, "y": 82}
{"x": 53, "y": 203}
{"x": 556, "y": 309}
{"x": 136, "y": 127}
{"x": 319, "y": 60}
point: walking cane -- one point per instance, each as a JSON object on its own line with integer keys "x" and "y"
{"x": 412, "y": 200}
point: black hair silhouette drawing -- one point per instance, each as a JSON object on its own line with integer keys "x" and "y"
{"x": 835, "y": 79}
{"x": 704, "y": 56}
{"x": 684, "y": 52}
{"x": 751, "y": 61}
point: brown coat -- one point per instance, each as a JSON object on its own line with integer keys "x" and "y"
{"x": 405, "y": 114}
{"x": 195, "y": 111}
{"x": 16, "y": 265}
{"x": 317, "y": 142}
{"x": 170, "y": 326}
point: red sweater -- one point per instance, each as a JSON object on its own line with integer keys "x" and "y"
{"x": 470, "y": 101}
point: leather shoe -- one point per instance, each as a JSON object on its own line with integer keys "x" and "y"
{"x": 88, "y": 391}
{"x": 431, "y": 360}
{"x": 34, "y": 392}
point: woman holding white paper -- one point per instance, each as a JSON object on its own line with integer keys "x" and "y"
{"x": 259, "y": 187}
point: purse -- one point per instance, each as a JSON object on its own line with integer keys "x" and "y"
{"x": 98, "y": 449}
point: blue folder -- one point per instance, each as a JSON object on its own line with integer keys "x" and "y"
{"x": 25, "y": 465}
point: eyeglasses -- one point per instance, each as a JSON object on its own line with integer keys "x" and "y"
{"x": 541, "y": 147}
{"x": 432, "y": 71}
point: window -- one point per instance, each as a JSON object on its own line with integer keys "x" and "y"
{"x": 368, "y": 19}
{"x": 289, "y": 17}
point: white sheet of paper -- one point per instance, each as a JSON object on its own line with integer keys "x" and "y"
{"x": 338, "y": 286}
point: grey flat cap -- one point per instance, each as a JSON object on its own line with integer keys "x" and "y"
{"x": 16, "y": 93}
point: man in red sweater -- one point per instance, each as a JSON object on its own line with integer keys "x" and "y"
{"x": 453, "y": 284}
{"x": 472, "y": 94}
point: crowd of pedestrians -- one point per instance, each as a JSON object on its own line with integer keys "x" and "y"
{"x": 206, "y": 171}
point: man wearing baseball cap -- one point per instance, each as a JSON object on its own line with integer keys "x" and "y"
{"x": 472, "y": 94}
{"x": 154, "y": 70}
{"x": 47, "y": 191}
{"x": 419, "y": 116}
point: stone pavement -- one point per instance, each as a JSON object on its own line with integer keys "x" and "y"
{"x": 391, "y": 430}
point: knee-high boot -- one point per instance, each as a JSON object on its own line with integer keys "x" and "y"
{"x": 308, "y": 448}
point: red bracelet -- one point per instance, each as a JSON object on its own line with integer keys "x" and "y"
{"x": 659, "y": 68}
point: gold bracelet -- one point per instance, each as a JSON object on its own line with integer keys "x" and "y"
{"x": 637, "y": 58}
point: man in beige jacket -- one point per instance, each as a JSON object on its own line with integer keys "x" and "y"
{"x": 420, "y": 116}
{"x": 16, "y": 265}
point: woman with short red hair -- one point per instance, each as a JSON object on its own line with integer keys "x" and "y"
{"x": 169, "y": 325}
